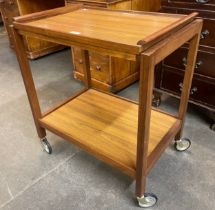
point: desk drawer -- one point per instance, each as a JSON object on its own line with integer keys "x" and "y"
{"x": 208, "y": 30}
{"x": 99, "y": 65}
{"x": 10, "y": 8}
{"x": 200, "y": 2}
{"x": 9, "y": 11}
{"x": 189, "y": 8}
{"x": 9, "y": 3}
{"x": 204, "y": 64}
{"x": 208, "y": 33}
{"x": 202, "y": 90}
{"x": 88, "y": 3}
{"x": 190, "y": 5}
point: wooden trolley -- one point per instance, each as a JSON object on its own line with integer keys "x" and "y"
{"x": 127, "y": 135}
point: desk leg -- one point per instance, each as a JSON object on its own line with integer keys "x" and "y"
{"x": 28, "y": 81}
{"x": 191, "y": 60}
{"x": 86, "y": 68}
{"x": 144, "y": 114}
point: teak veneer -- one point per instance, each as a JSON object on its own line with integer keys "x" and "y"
{"x": 130, "y": 136}
{"x": 95, "y": 126}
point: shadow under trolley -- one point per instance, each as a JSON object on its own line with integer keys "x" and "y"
{"x": 127, "y": 135}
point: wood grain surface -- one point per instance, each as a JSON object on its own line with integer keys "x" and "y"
{"x": 118, "y": 27}
{"x": 107, "y": 127}
{"x": 121, "y": 133}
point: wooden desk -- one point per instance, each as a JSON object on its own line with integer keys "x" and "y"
{"x": 142, "y": 5}
{"x": 122, "y": 133}
{"x": 13, "y": 8}
{"x": 111, "y": 73}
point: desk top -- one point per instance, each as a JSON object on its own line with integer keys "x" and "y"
{"x": 107, "y": 28}
{"x": 101, "y": 1}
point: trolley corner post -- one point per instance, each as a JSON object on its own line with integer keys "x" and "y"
{"x": 188, "y": 76}
{"x": 28, "y": 81}
{"x": 144, "y": 113}
{"x": 149, "y": 59}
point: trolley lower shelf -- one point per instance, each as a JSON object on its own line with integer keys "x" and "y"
{"x": 106, "y": 126}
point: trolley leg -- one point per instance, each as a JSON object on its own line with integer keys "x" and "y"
{"x": 46, "y": 146}
{"x": 144, "y": 114}
{"x": 28, "y": 81}
{"x": 191, "y": 60}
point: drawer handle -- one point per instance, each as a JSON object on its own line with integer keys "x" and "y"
{"x": 197, "y": 66}
{"x": 204, "y": 34}
{"x": 192, "y": 90}
{"x": 202, "y": 1}
{"x": 98, "y": 68}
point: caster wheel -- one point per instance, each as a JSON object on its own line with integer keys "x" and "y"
{"x": 182, "y": 144}
{"x": 156, "y": 102}
{"x": 213, "y": 127}
{"x": 148, "y": 200}
{"x": 46, "y": 146}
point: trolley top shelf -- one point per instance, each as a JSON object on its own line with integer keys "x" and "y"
{"x": 127, "y": 31}
{"x": 106, "y": 126}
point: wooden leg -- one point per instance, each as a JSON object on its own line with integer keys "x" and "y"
{"x": 28, "y": 81}
{"x": 144, "y": 114}
{"x": 86, "y": 68}
{"x": 191, "y": 60}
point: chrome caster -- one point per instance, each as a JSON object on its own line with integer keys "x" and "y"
{"x": 148, "y": 200}
{"x": 182, "y": 144}
{"x": 46, "y": 146}
{"x": 156, "y": 101}
{"x": 213, "y": 127}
